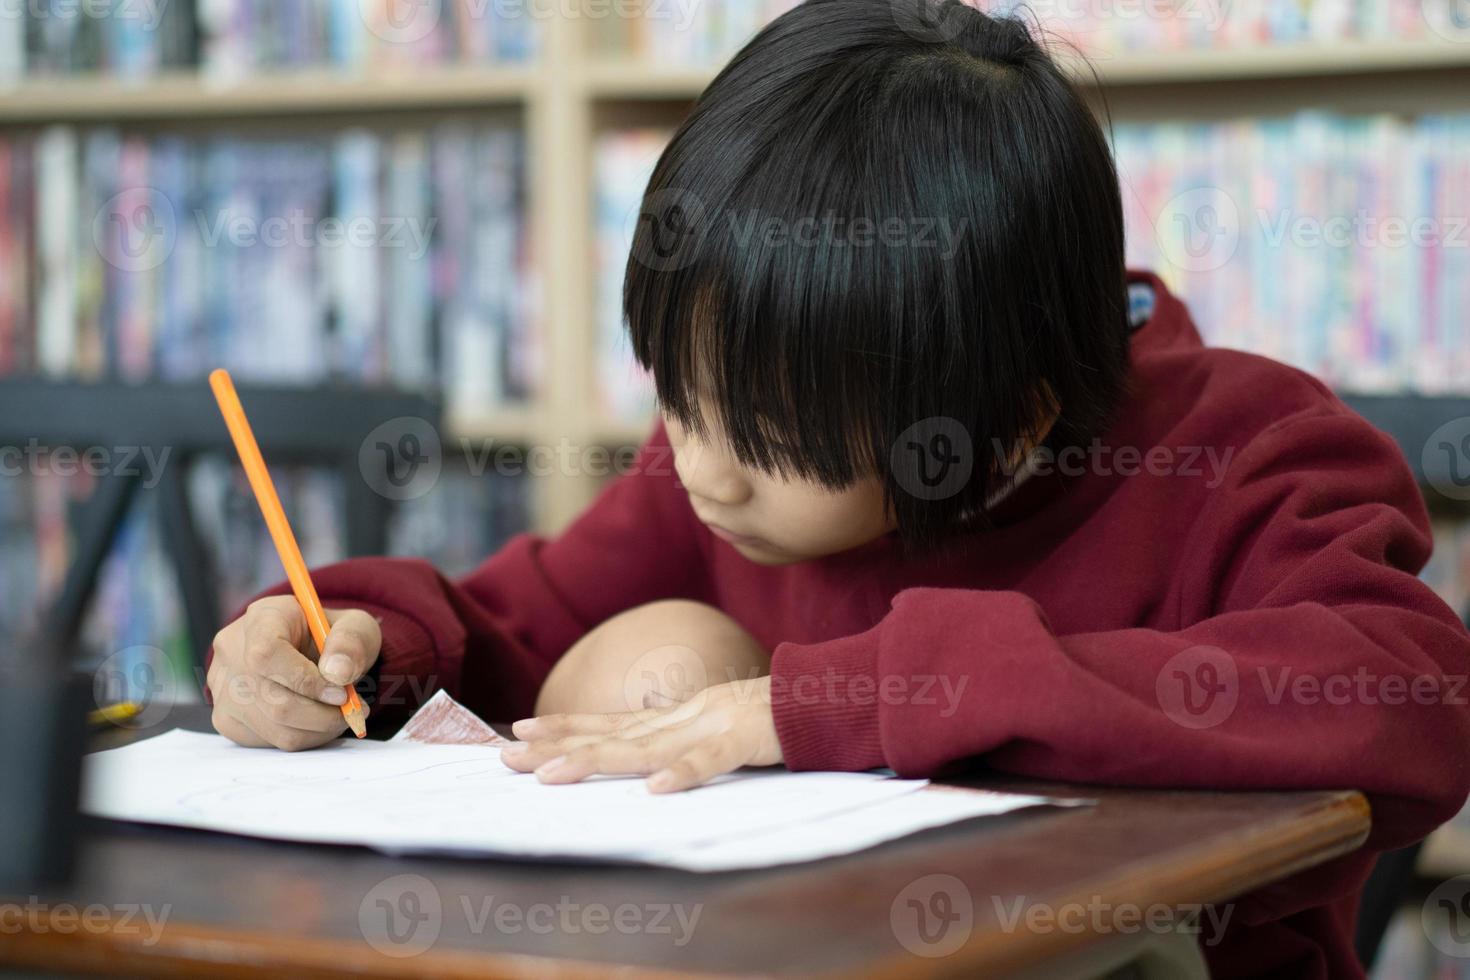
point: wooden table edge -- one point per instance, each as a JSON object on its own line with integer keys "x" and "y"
{"x": 1339, "y": 825}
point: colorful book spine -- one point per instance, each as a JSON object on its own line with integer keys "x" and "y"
{"x": 1340, "y": 245}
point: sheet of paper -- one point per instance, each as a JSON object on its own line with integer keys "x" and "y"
{"x": 412, "y": 796}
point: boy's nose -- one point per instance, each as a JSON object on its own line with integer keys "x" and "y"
{"x": 704, "y": 474}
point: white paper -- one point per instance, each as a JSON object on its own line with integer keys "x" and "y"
{"x": 405, "y": 796}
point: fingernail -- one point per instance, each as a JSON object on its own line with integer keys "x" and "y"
{"x": 550, "y": 768}
{"x": 524, "y": 727}
{"x": 334, "y": 695}
{"x": 516, "y": 749}
{"x": 337, "y": 668}
{"x": 661, "y": 781}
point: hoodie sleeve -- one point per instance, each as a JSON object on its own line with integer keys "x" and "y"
{"x": 490, "y": 638}
{"x": 1323, "y": 662}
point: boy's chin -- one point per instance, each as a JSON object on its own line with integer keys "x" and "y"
{"x": 766, "y": 554}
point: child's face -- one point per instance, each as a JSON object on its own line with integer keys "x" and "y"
{"x": 768, "y": 519}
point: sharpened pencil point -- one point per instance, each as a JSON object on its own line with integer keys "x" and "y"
{"x": 353, "y": 712}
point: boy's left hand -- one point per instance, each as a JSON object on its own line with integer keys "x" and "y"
{"x": 716, "y": 731}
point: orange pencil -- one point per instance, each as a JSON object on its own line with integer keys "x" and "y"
{"x": 281, "y": 534}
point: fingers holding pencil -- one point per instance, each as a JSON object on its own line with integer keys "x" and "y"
{"x": 266, "y": 684}
{"x": 352, "y": 709}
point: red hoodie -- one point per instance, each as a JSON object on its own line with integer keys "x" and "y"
{"x": 1219, "y": 594}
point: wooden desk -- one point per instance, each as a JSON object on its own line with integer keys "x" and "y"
{"x": 235, "y": 905}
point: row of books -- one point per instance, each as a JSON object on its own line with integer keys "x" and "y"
{"x": 1171, "y": 25}
{"x": 1339, "y": 245}
{"x": 712, "y": 31}
{"x": 369, "y": 258}
{"x": 623, "y": 163}
{"x": 227, "y": 40}
{"x": 465, "y": 518}
{"x": 703, "y": 34}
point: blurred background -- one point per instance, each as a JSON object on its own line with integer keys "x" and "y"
{"x": 415, "y": 215}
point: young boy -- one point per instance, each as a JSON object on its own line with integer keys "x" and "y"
{"x": 938, "y": 486}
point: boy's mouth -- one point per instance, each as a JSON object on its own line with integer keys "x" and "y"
{"x": 724, "y": 534}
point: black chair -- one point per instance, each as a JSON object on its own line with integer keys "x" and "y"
{"x": 1391, "y": 882}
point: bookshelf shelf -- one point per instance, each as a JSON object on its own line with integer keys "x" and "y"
{"x": 187, "y": 95}
{"x": 1358, "y": 59}
{"x": 631, "y": 79}
{"x": 1446, "y": 853}
{"x": 511, "y": 426}
{"x": 190, "y": 96}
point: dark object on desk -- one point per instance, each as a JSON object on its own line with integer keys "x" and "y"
{"x": 43, "y": 727}
{"x": 1392, "y": 879}
{"x": 176, "y": 423}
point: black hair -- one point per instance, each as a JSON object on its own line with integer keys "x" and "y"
{"x": 888, "y": 237}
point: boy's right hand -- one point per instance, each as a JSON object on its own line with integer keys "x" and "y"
{"x": 265, "y": 681}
